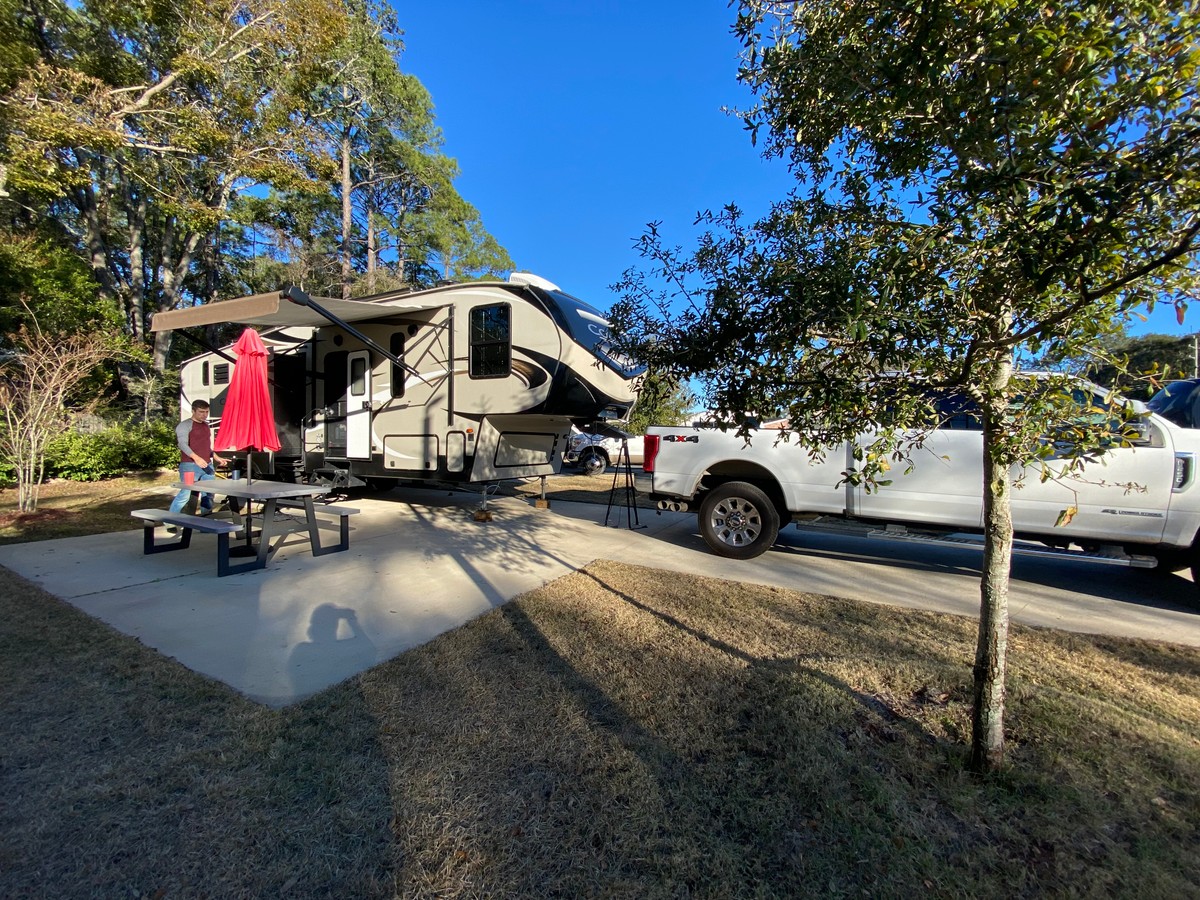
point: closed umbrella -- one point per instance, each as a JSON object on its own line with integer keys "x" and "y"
{"x": 248, "y": 422}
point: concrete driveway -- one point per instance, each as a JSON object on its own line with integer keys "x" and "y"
{"x": 419, "y": 565}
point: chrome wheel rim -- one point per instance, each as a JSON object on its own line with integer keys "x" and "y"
{"x": 736, "y": 522}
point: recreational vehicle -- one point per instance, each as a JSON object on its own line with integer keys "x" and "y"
{"x": 466, "y": 382}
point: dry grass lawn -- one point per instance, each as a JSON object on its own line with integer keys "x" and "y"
{"x": 621, "y": 732}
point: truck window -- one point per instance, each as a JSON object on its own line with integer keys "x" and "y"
{"x": 398, "y": 374}
{"x": 491, "y": 341}
{"x": 958, "y": 413}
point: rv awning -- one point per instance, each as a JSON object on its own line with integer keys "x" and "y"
{"x": 273, "y": 310}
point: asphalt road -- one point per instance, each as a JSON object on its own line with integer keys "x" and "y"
{"x": 1074, "y": 595}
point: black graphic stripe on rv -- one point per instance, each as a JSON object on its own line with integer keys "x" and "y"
{"x": 533, "y": 373}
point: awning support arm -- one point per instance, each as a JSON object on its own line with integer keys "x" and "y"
{"x": 206, "y": 345}
{"x": 297, "y": 296}
{"x": 217, "y": 350}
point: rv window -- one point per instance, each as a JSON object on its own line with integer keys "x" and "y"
{"x": 491, "y": 336}
{"x": 204, "y": 373}
{"x": 221, "y": 373}
{"x": 358, "y": 376}
{"x": 398, "y": 374}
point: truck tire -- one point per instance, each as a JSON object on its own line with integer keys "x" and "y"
{"x": 738, "y": 520}
{"x": 593, "y": 462}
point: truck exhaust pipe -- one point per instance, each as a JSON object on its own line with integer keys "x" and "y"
{"x": 671, "y": 506}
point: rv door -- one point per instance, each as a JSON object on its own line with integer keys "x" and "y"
{"x": 358, "y": 405}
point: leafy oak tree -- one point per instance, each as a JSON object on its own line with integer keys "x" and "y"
{"x": 973, "y": 178}
{"x": 136, "y": 123}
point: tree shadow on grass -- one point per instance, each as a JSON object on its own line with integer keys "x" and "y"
{"x": 125, "y": 773}
{"x": 728, "y": 778}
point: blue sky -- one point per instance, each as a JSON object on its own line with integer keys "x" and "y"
{"x": 577, "y": 123}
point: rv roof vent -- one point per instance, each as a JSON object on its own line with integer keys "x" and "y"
{"x": 534, "y": 280}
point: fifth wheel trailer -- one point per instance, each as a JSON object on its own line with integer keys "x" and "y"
{"x": 461, "y": 383}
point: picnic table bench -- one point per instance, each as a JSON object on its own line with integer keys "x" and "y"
{"x": 272, "y": 495}
{"x": 151, "y": 518}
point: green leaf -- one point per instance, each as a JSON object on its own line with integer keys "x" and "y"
{"x": 1065, "y": 516}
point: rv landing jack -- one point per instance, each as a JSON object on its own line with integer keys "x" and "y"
{"x": 482, "y": 513}
{"x": 542, "y": 502}
{"x": 336, "y": 479}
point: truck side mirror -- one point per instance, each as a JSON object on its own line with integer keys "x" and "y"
{"x": 1142, "y": 432}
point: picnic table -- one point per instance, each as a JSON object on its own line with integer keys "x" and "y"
{"x": 272, "y": 495}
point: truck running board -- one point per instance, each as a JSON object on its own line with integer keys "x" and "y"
{"x": 1111, "y": 556}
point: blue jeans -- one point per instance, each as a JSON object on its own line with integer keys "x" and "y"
{"x": 181, "y": 499}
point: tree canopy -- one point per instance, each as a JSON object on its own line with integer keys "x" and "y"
{"x": 974, "y": 179}
{"x": 187, "y": 151}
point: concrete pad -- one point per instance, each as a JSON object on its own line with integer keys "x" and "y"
{"x": 419, "y": 565}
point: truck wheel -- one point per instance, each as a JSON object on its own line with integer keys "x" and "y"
{"x": 738, "y": 521}
{"x": 592, "y": 462}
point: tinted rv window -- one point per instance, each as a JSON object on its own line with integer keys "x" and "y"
{"x": 204, "y": 373}
{"x": 491, "y": 341}
{"x": 358, "y": 376}
{"x": 221, "y": 373}
{"x": 398, "y": 374}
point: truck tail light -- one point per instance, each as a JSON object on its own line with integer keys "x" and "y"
{"x": 1185, "y": 471}
{"x": 649, "y": 451}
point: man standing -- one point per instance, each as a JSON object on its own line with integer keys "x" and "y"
{"x": 194, "y": 437}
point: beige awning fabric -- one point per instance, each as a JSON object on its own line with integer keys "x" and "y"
{"x": 274, "y": 311}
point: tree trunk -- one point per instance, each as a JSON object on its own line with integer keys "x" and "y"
{"x": 372, "y": 250}
{"x": 93, "y": 237}
{"x": 171, "y": 276}
{"x": 987, "y": 718}
{"x": 347, "y": 219}
{"x": 212, "y": 266}
{"x": 137, "y": 261}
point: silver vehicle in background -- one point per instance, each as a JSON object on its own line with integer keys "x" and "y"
{"x": 595, "y": 449}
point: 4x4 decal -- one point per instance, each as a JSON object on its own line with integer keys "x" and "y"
{"x": 681, "y": 439}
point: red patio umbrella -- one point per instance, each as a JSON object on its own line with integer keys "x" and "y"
{"x": 248, "y": 422}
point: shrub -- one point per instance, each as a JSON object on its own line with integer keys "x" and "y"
{"x": 113, "y": 451}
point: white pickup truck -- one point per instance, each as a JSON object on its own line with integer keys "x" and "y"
{"x": 1138, "y": 505}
